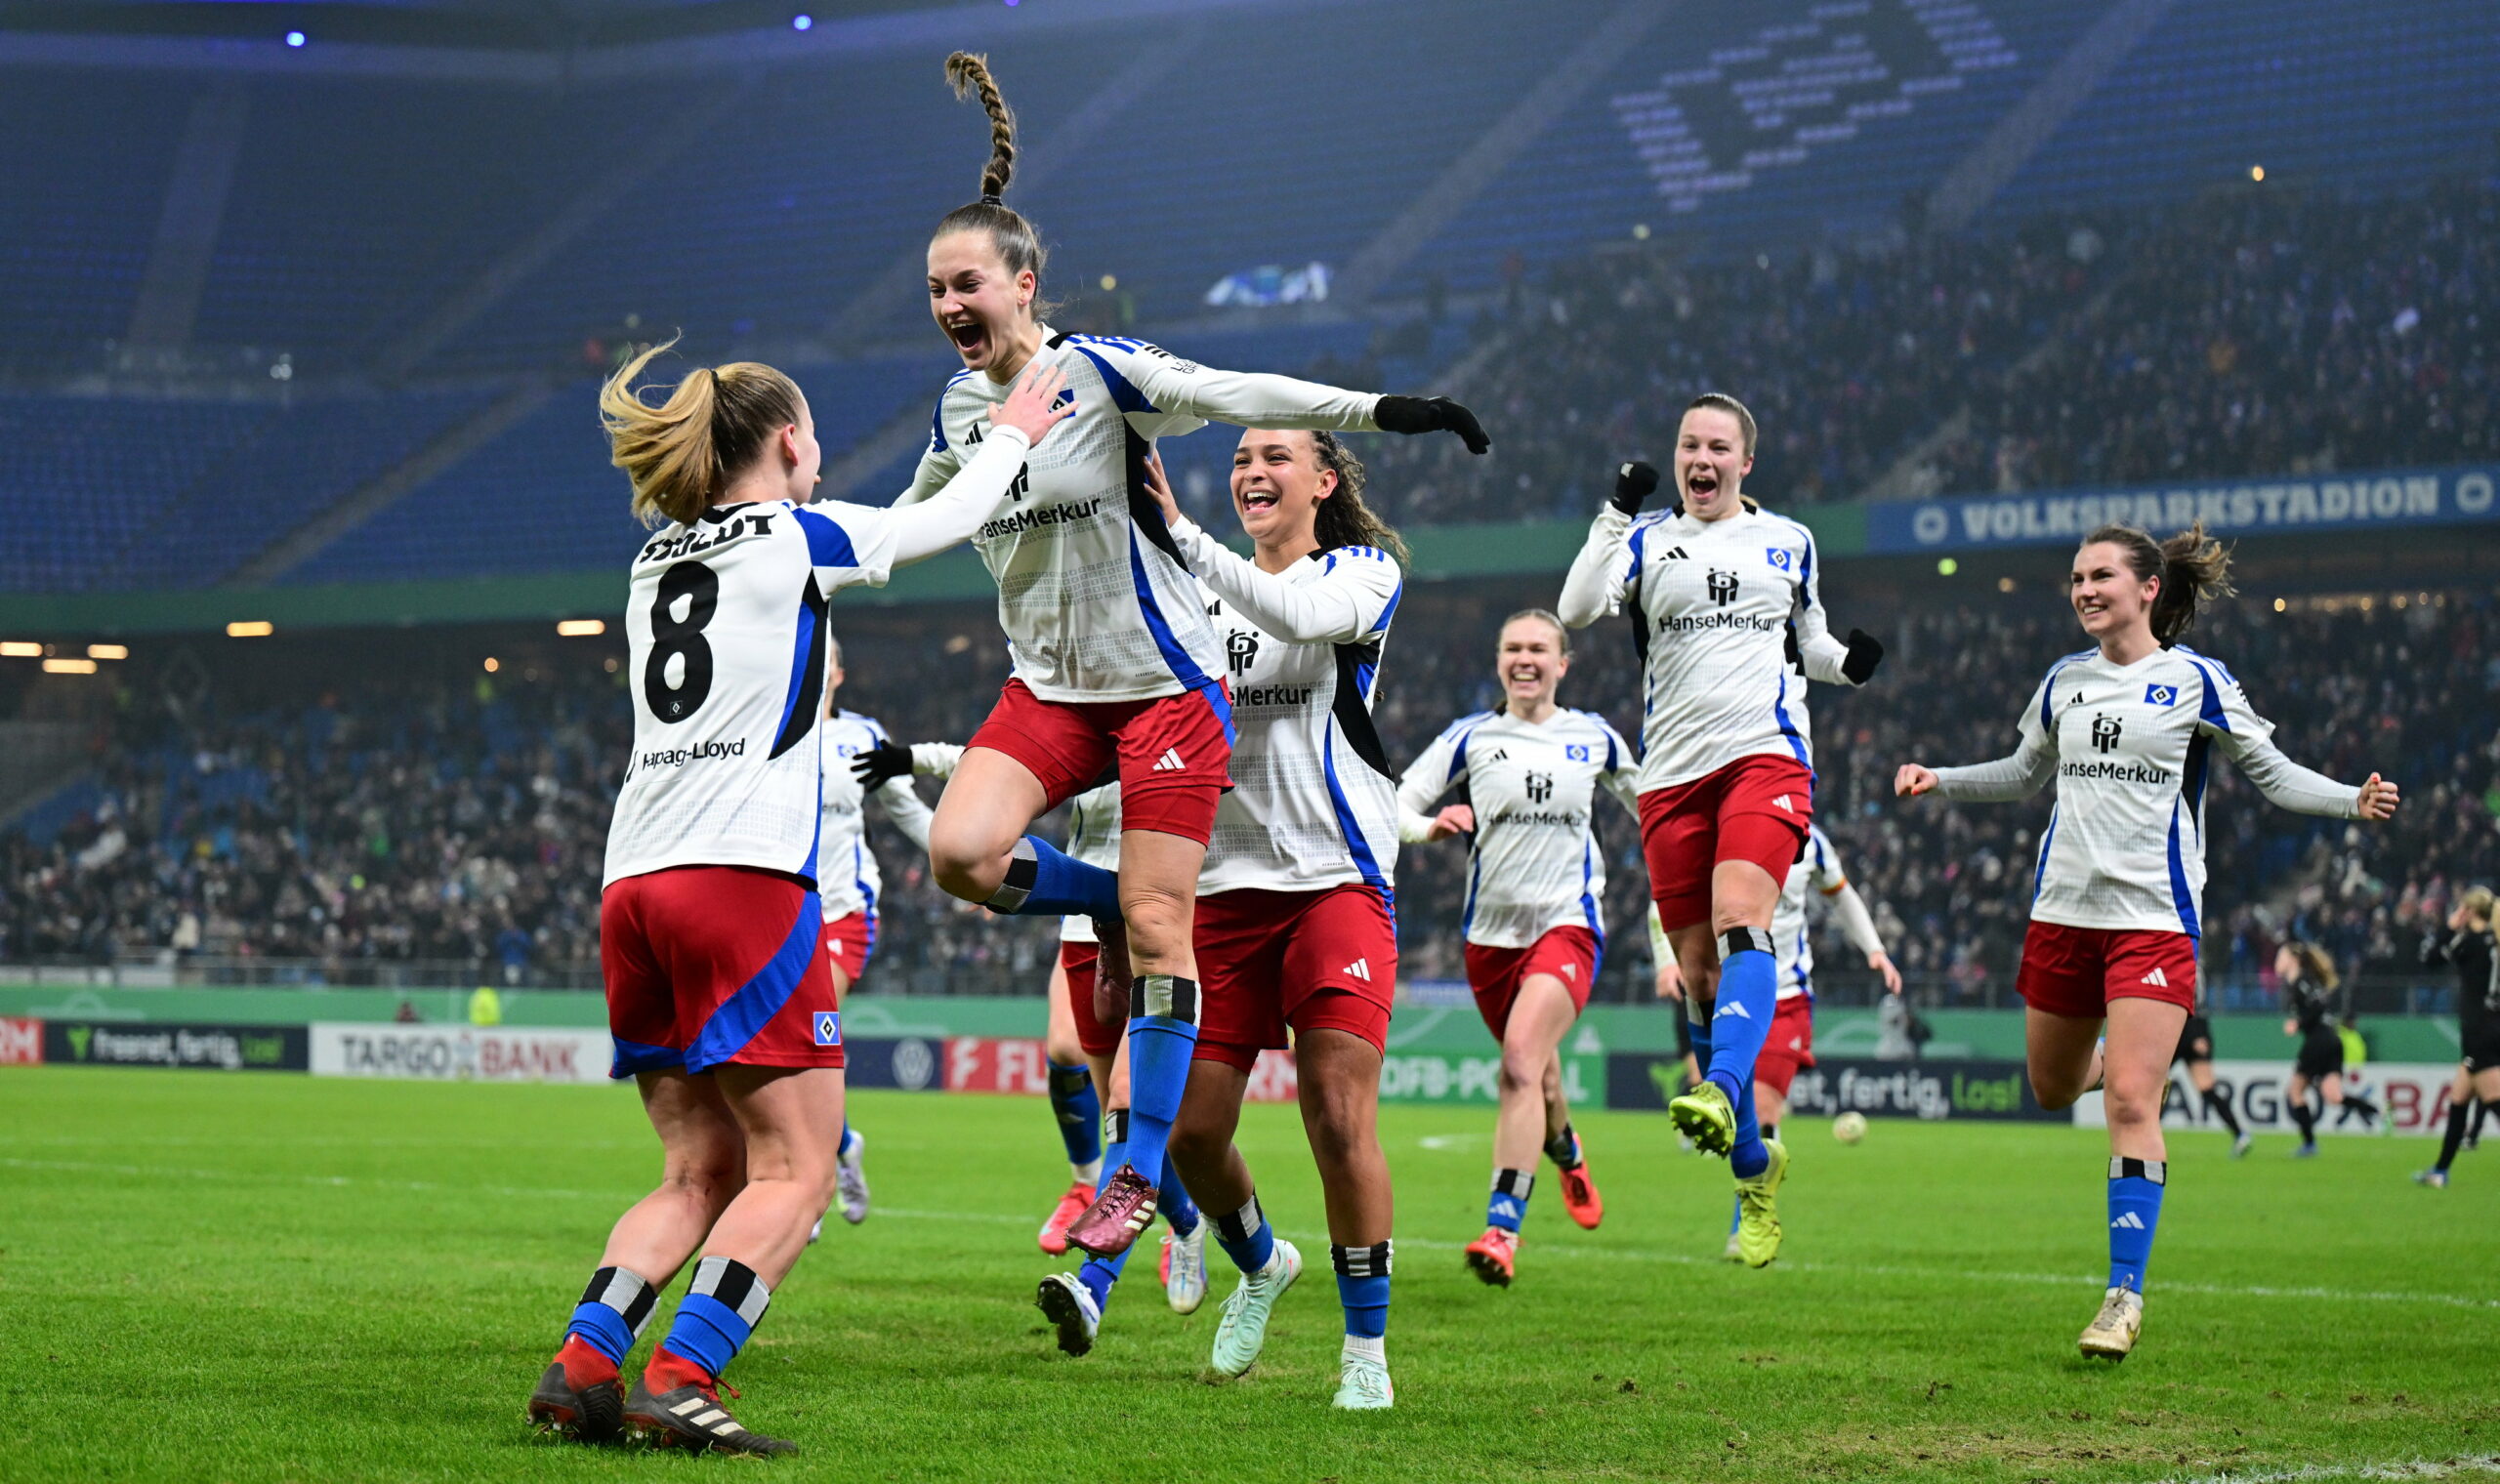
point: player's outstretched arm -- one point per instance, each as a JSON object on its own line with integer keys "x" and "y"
{"x": 1259, "y": 399}
{"x": 949, "y": 517}
{"x": 2303, "y": 790}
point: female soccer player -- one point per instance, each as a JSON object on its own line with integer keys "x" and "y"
{"x": 1535, "y": 931}
{"x": 2195, "y": 1051}
{"x": 1294, "y": 917}
{"x": 719, "y": 991}
{"x": 1114, "y": 660}
{"x": 1724, "y": 594}
{"x": 2468, "y": 944}
{"x": 2309, "y": 1004}
{"x": 2127, "y": 729}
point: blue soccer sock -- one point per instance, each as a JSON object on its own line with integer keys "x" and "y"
{"x": 1172, "y": 1201}
{"x": 1746, "y": 1157}
{"x": 1163, "y": 1038}
{"x": 1507, "y": 1207}
{"x": 1043, "y": 882}
{"x": 1099, "y": 1274}
{"x": 719, "y": 1311}
{"x": 2135, "y": 1210}
{"x": 1246, "y": 1236}
{"x": 1115, "y": 1138}
{"x": 1748, "y": 997}
{"x": 1362, "y": 1288}
{"x": 850, "y": 1141}
{"x": 612, "y": 1312}
{"x": 1079, "y": 1113}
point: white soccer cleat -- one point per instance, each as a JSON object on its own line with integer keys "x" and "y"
{"x": 1243, "y": 1329}
{"x": 1363, "y": 1378}
{"x": 850, "y": 1180}
{"x": 1072, "y": 1309}
{"x": 815, "y": 1233}
{"x": 1185, "y": 1269}
{"x": 1735, "y": 1251}
{"x": 2111, "y": 1334}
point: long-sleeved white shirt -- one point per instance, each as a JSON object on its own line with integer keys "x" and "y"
{"x": 2128, "y": 747}
{"x": 1533, "y": 864}
{"x": 1714, "y": 603}
{"x": 724, "y": 627}
{"x": 849, "y": 879}
{"x": 1312, "y": 804}
{"x": 1094, "y": 596}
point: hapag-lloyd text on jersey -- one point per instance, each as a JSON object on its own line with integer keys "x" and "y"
{"x": 700, "y": 752}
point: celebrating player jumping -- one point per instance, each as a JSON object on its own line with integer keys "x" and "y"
{"x": 1117, "y": 665}
{"x": 719, "y": 997}
{"x": 1730, "y": 626}
{"x": 2126, "y": 729}
{"x": 1535, "y": 899}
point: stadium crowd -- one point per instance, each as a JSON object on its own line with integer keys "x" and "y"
{"x": 461, "y": 824}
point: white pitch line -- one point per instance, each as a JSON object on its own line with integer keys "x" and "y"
{"x": 2411, "y": 1468}
{"x": 1424, "y": 1244}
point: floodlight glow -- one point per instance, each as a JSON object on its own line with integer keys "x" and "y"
{"x": 108, "y": 651}
{"x": 802, "y": 21}
{"x": 295, "y": 38}
{"x": 69, "y": 667}
{"x": 580, "y": 628}
{"x": 250, "y": 627}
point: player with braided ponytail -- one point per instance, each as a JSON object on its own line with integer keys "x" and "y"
{"x": 1116, "y": 666}
{"x": 2127, "y": 729}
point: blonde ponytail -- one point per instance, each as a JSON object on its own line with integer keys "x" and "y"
{"x": 681, "y": 453}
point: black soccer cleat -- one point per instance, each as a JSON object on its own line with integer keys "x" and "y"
{"x": 694, "y": 1419}
{"x": 592, "y": 1414}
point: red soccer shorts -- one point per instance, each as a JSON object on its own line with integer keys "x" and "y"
{"x": 1569, "y": 954}
{"x": 1324, "y": 960}
{"x": 2076, "y": 971}
{"x": 849, "y": 943}
{"x": 1791, "y": 1045}
{"x": 1077, "y": 961}
{"x": 1754, "y": 808}
{"x": 1174, "y": 753}
{"x": 707, "y": 964}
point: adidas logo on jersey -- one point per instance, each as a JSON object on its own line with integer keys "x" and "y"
{"x": 1671, "y": 554}
{"x": 2128, "y": 1221}
{"x": 2158, "y": 979}
{"x": 1170, "y": 762}
{"x": 1359, "y": 969}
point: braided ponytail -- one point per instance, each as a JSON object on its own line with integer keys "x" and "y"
{"x": 1017, "y": 244}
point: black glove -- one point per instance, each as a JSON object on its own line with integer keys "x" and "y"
{"x": 1865, "y": 652}
{"x": 880, "y": 764}
{"x": 1633, "y": 483}
{"x": 1430, "y": 414}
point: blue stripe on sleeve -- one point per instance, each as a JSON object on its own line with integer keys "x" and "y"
{"x": 828, "y": 544}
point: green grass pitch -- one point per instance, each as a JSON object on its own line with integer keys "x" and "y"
{"x": 257, "y": 1277}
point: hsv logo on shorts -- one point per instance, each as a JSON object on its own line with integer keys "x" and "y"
{"x": 828, "y": 1027}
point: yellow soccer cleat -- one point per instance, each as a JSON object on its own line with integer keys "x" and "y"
{"x": 1704, "y": 1116}
{"x": 2112, "y": 1333}
{"x": 1758, "y": 1209}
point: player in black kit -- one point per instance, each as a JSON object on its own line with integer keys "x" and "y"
{"x": 2308, "y": 1000}
{"x": 2196, "y": 1053}
{"x": 2469, "y": 944}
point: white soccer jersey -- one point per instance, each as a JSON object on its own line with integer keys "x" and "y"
{"x": 1092, "y": 837}
{"x": 2128, "y": 746}
{"x": 1716, "y": 602}
{"x": 850, "y": 881}
{"x": 1096, "y": 601}
{"x": 725, "y": 624}
{"x": 1312, "y": 804}
{"x": 1533, "y": 864}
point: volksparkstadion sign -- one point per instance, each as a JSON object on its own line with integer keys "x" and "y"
{"x": 2336, "y": 502}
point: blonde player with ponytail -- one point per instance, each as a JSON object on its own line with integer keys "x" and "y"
{"x": 720, "y": 1000}
{"x": 2126, "y": 729}
{"x": 1117, "y": 666}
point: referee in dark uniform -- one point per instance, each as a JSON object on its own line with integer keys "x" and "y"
{"x": 2470, "y": 947}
